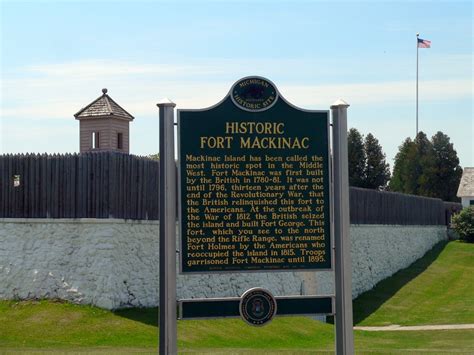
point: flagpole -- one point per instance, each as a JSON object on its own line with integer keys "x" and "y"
{"x": 417, "y": 35}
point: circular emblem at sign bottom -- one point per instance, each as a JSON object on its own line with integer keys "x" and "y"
{"x": 257, "y": 306}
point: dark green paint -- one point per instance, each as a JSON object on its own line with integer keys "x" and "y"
{"x": 230, "y": 307}
{"x": 300, "y": 306}
{"x": 194, "y": 124}
{"x": 210, "y": 309}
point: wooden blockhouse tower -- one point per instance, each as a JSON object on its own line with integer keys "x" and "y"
{"x": 104, "y": 126}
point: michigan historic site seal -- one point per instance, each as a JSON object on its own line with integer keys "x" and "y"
{"x": 254, "y": 94}
{"x": 257, "y": 306}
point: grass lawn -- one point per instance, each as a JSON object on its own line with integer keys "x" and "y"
{"x": 59, "y": 327}
{"x": 437, "y": 289}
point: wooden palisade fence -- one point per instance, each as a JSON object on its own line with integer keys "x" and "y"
{"x": 117, "y": 185}
{"x": 381, "y": 207}
{"x": 90, "y": 185}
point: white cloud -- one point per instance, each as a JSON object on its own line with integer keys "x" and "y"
{"x": 379, "y": 93}
{"x": 62, "y": 90}
{"x": 102, "y": 68}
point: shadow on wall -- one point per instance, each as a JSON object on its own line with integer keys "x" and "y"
{"x": 364, "y": 305}
{"x": 368, "y": 302}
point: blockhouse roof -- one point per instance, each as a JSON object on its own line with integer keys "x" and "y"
{"x": 103, "y": 107}
{"x": 466, "y": 186}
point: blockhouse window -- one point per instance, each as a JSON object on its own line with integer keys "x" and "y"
{"x": 95, "y": 140}
{"x": 119, "y": 140}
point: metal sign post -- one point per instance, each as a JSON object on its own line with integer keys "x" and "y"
{"x": 343, "y": 265}
{"x": 168, "y": 329}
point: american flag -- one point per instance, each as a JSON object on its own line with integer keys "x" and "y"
{"x": 424, "y": 43}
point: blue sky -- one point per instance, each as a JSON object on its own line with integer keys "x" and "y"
{"x": 56, "y": 56}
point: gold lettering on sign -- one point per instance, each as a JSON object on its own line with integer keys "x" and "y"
{"x": 254, "y": 135}
{"x": 265, "y": 211}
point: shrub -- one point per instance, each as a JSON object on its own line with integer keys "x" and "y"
{"x": 463, "y": 224}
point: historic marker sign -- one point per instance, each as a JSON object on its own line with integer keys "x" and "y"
{"x": 254, "y": 184}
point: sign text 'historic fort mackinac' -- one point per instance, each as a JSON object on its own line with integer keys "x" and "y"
{"x": 254, "y": 184}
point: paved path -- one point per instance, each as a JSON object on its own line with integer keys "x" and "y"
{"x": 396, "y": 327}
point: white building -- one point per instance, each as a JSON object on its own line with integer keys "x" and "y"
{"x": 466, "y": 187}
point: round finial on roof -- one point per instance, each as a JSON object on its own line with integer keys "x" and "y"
{"x": 104, "y": 91}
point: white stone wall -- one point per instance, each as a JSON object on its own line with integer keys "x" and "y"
{"x": 114, "y": 263}
{"x": 108, "y": 263}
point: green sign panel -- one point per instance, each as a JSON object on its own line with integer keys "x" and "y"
{"x": 254, "y": 184}
{"x": 208, "y": 308}
{"x": 196, "y": 308}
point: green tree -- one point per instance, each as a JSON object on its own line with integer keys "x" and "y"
{"x": 446, "y": 175}
{"x": 367, "y": 165}
{"x": 399, "y": 179}
{"x": 412, "y": 166}
{"x": 377, "y": 171}
{"x": 357, "y": 160}
{"x": 427, "y": 168}
{"x": 421, "y": 166}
